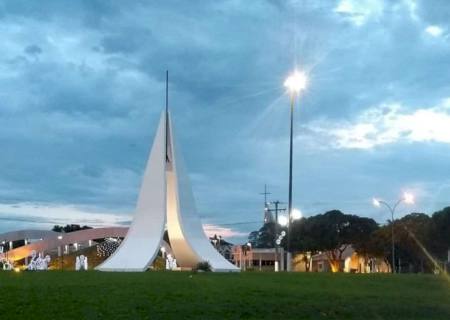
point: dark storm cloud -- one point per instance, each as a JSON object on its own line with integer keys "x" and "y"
{"x": 33, "y": 50}
{"x": 434, "y": 12}
{"x": 82, "y": 85}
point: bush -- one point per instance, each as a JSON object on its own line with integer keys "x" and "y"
{"x": 204, "y": 266}
{"x": 159, "y": 264}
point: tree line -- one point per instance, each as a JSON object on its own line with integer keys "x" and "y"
{"x": 421, "y": 241}
{"x": 69, "y": 228}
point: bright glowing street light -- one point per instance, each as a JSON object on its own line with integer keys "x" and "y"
{"x": 407, "y": 198}
{"x": 296, "y": 82}
{"x": 282, "y": 221}
{"x": 376, "y": 202}
{"x": 296, "y": 214}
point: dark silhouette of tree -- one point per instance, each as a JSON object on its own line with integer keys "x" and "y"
{"x": 420, "y": 240}
{"x": 69, "y": 228}
{"x": 441, "y": 233}
{"x": 265, "y": 236}
{"x": 413, "y": 240}
{"x": 253, "y": 238}
{"x": 332, "y": 233}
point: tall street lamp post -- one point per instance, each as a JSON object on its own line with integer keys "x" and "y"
{"x": 407, "y": 198}
{"x": 295, "y": 83}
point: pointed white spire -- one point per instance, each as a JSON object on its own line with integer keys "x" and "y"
{"x": 165, "y": 195}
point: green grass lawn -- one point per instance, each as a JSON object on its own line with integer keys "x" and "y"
{"x": 180, "y": 295}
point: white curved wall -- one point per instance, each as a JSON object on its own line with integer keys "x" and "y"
{"x": 187, "y": 237}
{"x": 143, "y": 239}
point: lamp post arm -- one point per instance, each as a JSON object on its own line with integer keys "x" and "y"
{"x": 396, "y": 205}
{"x": 391, "y": 209}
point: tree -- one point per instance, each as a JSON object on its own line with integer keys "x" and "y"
{"x": 265, "y": 237}
{"x": 69, "y": 228}
{"x": 413, "y": 234}
{"x": 412, "y": 242}
{"x": 253, "y": 238}
{"x": 441, "y": 233}
{"x": 332, "y": 232}
{"x": 379, "y": 244}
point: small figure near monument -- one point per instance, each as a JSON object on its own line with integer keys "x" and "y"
{"x": 171, "y": 262}
{"x": 38, "y": 262}
{"x": 81, "y": 263}
{"x": 6, "y": 264}
{"x": 77, "y": 263}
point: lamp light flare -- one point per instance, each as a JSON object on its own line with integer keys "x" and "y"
{"x": 282, "y": 221}
{"x": 408, "y": 198}
{"x": 296, "y": 82}
{"x": 375, "y": 202}
{"x": 296, "y": 214}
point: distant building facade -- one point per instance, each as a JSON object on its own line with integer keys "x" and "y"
{"x": 351, "y": 262}
{"x": 263, "y": 259}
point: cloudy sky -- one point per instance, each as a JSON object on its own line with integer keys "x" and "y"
{"x": 82, "y": 87}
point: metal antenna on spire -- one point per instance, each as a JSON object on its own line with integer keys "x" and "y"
{"x": 167, "y": 91}
{"x": 167, "y": 117}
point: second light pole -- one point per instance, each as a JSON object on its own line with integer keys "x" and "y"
{"x": 406, "y": 198}
{"x": 295, "y": 83}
